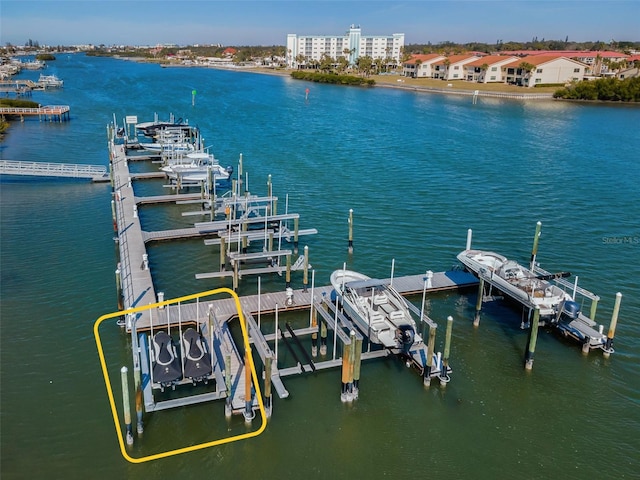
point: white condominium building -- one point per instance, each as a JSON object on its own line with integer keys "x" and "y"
{"x": 351, "y": 45}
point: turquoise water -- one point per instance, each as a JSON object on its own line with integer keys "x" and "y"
{"x": 418, "y": 170}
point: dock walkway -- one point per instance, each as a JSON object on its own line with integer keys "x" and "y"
{"x": 57, "y": 113}
{"x": 96, "y": 173}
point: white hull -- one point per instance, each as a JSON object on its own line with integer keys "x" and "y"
{"x": 515, "y": 281}
{"x": 378, "y": 310}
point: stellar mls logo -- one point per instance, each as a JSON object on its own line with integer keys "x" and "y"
{"x": 622, "y": 239}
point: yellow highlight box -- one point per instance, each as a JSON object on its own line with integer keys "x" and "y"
{"x": 107, "y": 380}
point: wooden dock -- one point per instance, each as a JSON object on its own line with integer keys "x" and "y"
{"x": 51, "y": 113}
{"x": 211, "y": 316}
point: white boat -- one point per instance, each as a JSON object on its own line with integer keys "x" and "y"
{"x": 518, "y": 282}
{"x": 378, "y": 310}
{"x": 183, "y": 147}
{"x": 196, "y": 167}
{"x": 49, "y": 81}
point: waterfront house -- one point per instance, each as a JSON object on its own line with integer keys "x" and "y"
{"x": 453, "y": 66}
{"x": 420, "y": 65}
{"x": 487, "y": 69}
{"x": 543, "y": 70}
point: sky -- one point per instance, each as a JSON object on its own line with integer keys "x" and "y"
{"x": 267, "y": 22}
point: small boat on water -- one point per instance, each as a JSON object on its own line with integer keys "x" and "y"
{"x": 518, "y": 282}
{"x": 166, "y": 368}
{"x": 151, "y": 129}
{"x": 196, "y": 167}
{"x": 49, "y": 81}
{"x": 378, "y": 310}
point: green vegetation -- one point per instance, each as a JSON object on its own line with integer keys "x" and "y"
{"x": 3, "y": 127}
{"x": 332, "y": 78}
{"x": 47, "y": 57}
{"x": 603, "y": 89}
{"x": 17, "y": 103}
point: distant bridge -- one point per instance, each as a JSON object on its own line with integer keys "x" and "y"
{"x": 96, "y": 173}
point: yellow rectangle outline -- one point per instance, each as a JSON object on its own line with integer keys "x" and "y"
{"x": 247, "y": 346}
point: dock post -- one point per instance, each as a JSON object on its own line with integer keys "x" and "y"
{"x": 267, "y": 385}
{"x": 430, "y": 348}
{"x": 314, "y": 335}
{"x": 444, "y": 373}
{"x": 295, "y": 236}
{"x": 346, "y": 354}
{"x": 533, "y": 337}
{"x": 138, "y": 386}
{"x": 305, "y": 272}
{"x": 356, "y": 368}
{"x": 351, "y": 230}
{"x": 287, "y": 283}
{"x": 244, "y": 238}
{"x": 119, "y": 288}
{"x": 534, "y": 250}
{"x": 270, "y": 241}
{"x": 227, "y": 381}
{"x": 594, "y": 306}
{"x": 248, "y": 401}
{"x": 113, "y": 215}
{"x": 235, "y": 275}
{"x": 323, "y": 338}
{"x": 223, "y": 255}
{"x": 608, "y": 350}
{"x": 469, "y": 235}
{"x": 125, "y": 404}
{"x": 476, "y": 320}
{"x": 352, "y": 363}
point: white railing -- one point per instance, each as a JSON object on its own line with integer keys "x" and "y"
{"x": 44, "y": 169}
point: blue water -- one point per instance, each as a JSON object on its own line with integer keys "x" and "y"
{"x": 418, "y": 170}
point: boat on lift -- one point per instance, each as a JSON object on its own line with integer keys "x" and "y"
{"x": 197, "y": 167}
{"x": 166, "y": 368}
{"x": 197, "y": 359}
{"x": 377, "y": 309}
{"x": 516, "y": 281}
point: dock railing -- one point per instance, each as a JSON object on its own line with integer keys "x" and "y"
{"x": 45, "y": 169}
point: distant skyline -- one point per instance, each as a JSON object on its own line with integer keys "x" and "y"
{"x": 243, "y": 22}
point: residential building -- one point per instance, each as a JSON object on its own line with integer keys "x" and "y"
{"x": 453, "y": 67}
{"x": 547, "y": 70}
{"x": 487, "y": 69}
{"x": 302, "y": 49}
{"x": 421, "y": 65}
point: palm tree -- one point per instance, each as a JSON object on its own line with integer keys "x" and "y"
{"x": 526, "y": 69}
{"x": 418, "y": 63}
{"x": 484, "y": 67}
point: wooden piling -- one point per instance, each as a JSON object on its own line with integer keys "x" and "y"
{"x": 139, "y": 402}
{"x": 267, "y": 385}
{"x": 533, "y": 337}
{"x": 476, "y": 320}
{"x": 594, "y": 306}
{"x": 534, "y": 250}
{"x": 608, "y": 350}
{"x": 346, "y": 354}
{"x": 323, "y": 338}
{"x": 223, "y": 254}
{"x": 356, "y": 368}
{"x": 352, "y": 362}
{"x": 305, "y": 271}
{"x": 126, "y": 407}
{"x": 430, "y": 348}
{"x": 444, "y": 374}
{"x": 287, "y": 283}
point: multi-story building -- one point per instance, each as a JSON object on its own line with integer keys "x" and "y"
{"x": 352, "y": 45}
